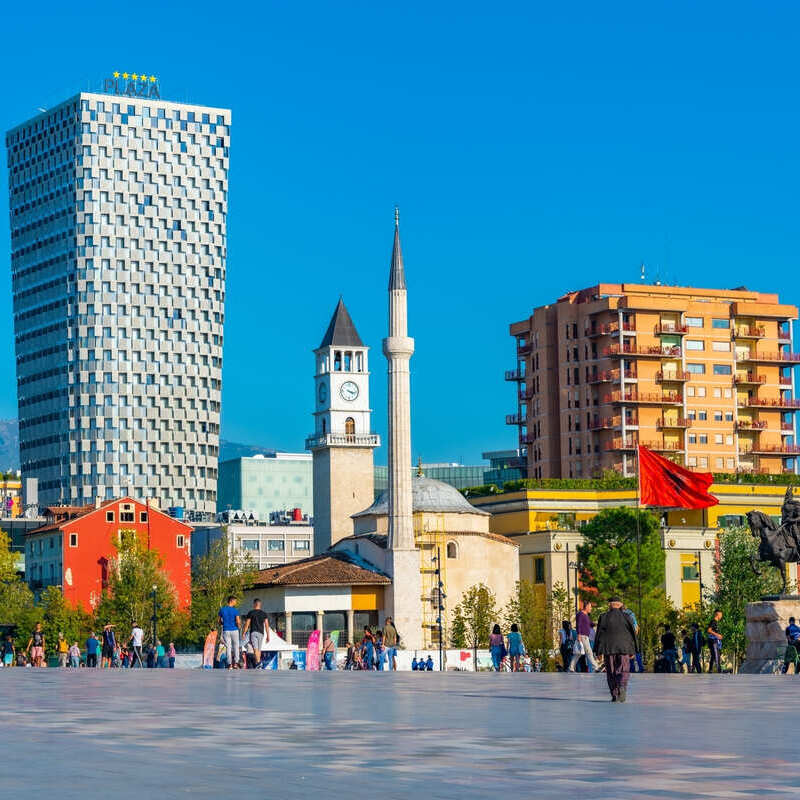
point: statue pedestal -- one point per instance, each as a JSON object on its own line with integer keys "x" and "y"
{"x": 766, "y": 622}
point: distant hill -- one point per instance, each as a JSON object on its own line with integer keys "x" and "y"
{"x": 228, "y": 450}
{"x": 9, "y": 444}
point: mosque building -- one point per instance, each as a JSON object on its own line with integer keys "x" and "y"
{"x": 412, "y": 552}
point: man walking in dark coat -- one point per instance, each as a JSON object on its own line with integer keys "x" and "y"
{"x": 616, "y": 641}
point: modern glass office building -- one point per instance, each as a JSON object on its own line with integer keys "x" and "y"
{"x": 265, "y": 484}
{"x": 118, "y": 210}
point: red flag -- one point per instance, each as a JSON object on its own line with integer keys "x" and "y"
{"x": 666, "y": 484}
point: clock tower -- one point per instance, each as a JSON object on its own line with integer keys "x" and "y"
{"x": 342, "y": 442}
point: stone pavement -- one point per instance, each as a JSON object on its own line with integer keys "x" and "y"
{"x": 167, "y": 733}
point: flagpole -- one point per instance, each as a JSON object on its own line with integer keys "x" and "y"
{"x": 638, "y": 530}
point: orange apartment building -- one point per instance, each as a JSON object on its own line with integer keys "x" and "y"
{"x": 703, "y": 376}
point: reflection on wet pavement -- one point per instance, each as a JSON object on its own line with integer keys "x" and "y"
{"x": 288, "y": 734}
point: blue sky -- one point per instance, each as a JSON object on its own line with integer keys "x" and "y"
{"x": 531, "y": 149}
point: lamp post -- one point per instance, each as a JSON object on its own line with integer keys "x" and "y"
{"x": 574, "y": 565}
{"x": 155, "y": 623}
{"x": 439, "y": 605}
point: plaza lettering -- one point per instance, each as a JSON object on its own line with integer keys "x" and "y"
{"x": 131, "y": 88}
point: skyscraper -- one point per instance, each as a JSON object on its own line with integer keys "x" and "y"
{"x": 118, "y": 209}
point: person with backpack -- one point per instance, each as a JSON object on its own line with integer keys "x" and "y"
{"x": 697, "y": 648}
{"x": 566, "y": 643}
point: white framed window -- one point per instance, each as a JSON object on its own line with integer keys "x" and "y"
{"x": 109, "y": 516}
{"x": 694, "y": 322}
{"x": 301, "y": 545}
{"x": 180, "y": 541}
{"x": 695, "y": 344}
{"x": 721, "y": 347}
{"x": 691, "y": 461}
{"x": 718, "y": 438}
{"x": 718, "y": 463}
{"x": 73, "y": 540}
{"x": 701, "y": 391}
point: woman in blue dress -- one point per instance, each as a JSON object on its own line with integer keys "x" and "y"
{"x": 515, "y": 648}
{"x": 368, "y": 648}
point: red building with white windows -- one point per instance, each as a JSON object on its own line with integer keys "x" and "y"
{"x": 74, "y": 549}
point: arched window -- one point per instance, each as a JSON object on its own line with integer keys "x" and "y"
{"x": 350, "y": 426}
{"x": 452, "y": 550}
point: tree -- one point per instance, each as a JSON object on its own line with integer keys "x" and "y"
{"x": 57, "y": 617}
{"x": 215, "y": 577}
{"x": 473, "y": 618}
{"x": 613, "y": 564}
{"x": 738, "y": 585}
{"x": 132, "y": 575}
{"x": 16, "y": 599}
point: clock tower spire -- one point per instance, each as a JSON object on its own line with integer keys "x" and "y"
{"x": 342, "y": 443}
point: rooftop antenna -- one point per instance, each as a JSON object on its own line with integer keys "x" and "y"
{"x": 642, "y": 277}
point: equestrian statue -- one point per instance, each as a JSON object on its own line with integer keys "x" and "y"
{"x": 779, "y": 544}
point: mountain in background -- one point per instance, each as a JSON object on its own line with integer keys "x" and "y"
{"x": 9, "y": 444}
{"x": 229, "y": 450}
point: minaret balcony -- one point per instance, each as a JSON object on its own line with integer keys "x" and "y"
{"x": 343, "y": 440}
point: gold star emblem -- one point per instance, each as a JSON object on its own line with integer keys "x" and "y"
{"x": 134, "y": 76}
{"x": 116, "y": 74}
{"x": 125, "y": 75}
{"x": 152, "y": 79}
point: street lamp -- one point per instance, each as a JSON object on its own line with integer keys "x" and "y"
{"x": 155, "y": 609}
{"x": 575, "y": 565}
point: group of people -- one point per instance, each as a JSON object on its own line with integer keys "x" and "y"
{"x": 690, "y": 653}
{"x": 104, "y": 652}
{"x": 376, "y": 651}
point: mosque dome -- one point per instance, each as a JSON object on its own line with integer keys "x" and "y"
{"x": 429, "y": 495}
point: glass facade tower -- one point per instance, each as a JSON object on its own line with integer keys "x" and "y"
{"x": 118, "y": 211}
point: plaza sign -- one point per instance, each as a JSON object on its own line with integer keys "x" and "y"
{"x": 132, "y": 85}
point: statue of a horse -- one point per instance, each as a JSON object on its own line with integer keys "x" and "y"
{"x": 777, "y": 546}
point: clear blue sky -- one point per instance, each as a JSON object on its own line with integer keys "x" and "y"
{"x": 531, "y": 149}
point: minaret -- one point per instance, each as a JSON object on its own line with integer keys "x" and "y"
{"x": 406, "y": 599}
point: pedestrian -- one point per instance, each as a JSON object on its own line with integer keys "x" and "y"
{"x": 109, "y": 645}
{"x": 9, "y": 651}
{"x": 792, "y": 633}
{"x": 171, "y": 655}
{"x": 257, "y": 623}
{"x": 515, "y": 647}
{"x": 583, "y": 626}
{"x": 429, "y": 664}
{"x": 62, "y": 648}
{"x": 391, "y": 639}
{"x": 380, "y": 654}
{"x": 136, "y": 640}
{"x": 350, "y": 658}
{"x": 537, "y": 665}
{"x": 160, "y": 654}
{"x": 715, "y": 642}
{"x": 92, "y": 646}
{"x": 116, "y": 661}
{"x": 329, "y": 653}
{"x": 566, "y": 643}
{"x": 368, "y": 649}
{"x": 230, "y": 621}
{"x": 497, "y": 647}
{"x": 686, "y": 650}
{"x": 74, "y": 656}
{"x": 669, "y": 648}
{"x": 150, "y": 658}
{"x": 639, "y": 662}
{"x": 414, "y": 665}
{"x": 616, "y": 642}
{"x": 697, "y": 648}
{"x": 36, "y": 646}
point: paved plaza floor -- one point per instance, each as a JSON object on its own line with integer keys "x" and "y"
{"x": 170, "y": 733}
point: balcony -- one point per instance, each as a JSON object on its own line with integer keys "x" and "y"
{"x": 351, "y": 439}
{"x": 646, "y": 351}
{"x": 651, "y": 398}
{"x": 515, "y": 419}
{"x": 611, "y": 328}
{"x": 612, "y": 376}
{"x": 620, "y": 444}
{"x": 771, "y": 450}
{"x": 785, "y": 380}
{"x": 678, "y": 422}
{"x": 524, "y": 349}
{"x": 668, "y": 329}
{"x": 787, "y": 427}
{"x": 771, "y": 358}
{"x": 751, "y": 425}
{"x": 515, "y": 375}
{"x": 749, "y": 332}
{"x": 782, "y": 403}
{"x": 672, "y": 377}
{"x": 529, "y": 438}
{"x": 749, "y": 378}
{"x": 663, "y": 447}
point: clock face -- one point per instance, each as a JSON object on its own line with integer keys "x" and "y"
{"x": 323, "y": 393}
{"x": 349, "y": 391}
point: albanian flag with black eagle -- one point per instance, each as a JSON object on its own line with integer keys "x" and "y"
{"x": 666, "y": 484}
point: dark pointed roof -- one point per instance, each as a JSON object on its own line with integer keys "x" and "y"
{"x": 397, "y": 275}
{"x": 341, "y": 331}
